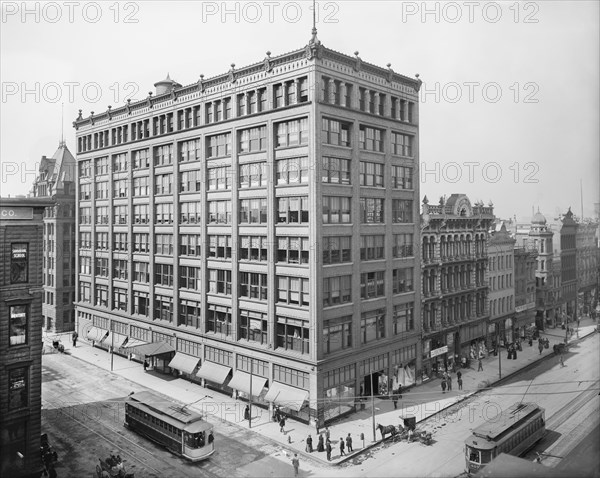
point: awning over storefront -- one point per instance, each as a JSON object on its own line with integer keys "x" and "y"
{"x": 214, "y": 372}
{"x": 155, "y": 348}
{"x": 131, "y": 343}
{"x": 96, "y": 334}
{"x": 184, "y": 363}
{"x": 286, "y": 396}
{"x": 118, "y": 339}
{"x": 241, "y": 382}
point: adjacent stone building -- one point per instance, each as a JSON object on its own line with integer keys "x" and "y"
{"x": 21, "y": 289}
{"x": 525, "y": 263}
{"x": 454, "y": 242}
{"x": 263, "y": 219}
{"x": 56, "y": 180}
{"x": 568, "y": 264}
{"x": 587, "y": 266}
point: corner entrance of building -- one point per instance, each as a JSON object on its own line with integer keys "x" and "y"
{"x": 371, "y": 382}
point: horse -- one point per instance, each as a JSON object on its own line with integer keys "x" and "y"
{"x": 384, "y": 430}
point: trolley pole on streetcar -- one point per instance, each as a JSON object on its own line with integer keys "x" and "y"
{"x": 250, "y": 396}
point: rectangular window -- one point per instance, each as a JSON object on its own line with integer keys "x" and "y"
{"x": 292, "y": 170}
{"x": 402, "y": 210}
{"x": 18, "y": 324}
{"x": 189, "y": 181}
{"x": 19, "y": 262}
{"x": 163, "y": 308}
{"x": 140, "y": 186}
{"x": 101, "y": 267}
{"x": 402, "y": 245}
{"x": 102, "y": 243}
{"x": 372, "y": 248}
{"x": 101, "y": 166}
{"x": 101, "y": 295}
{"x": 85, "y": 192}
{"x": 102, "y": 190}
{"x": 85, "y": 215}
{"x": 253, "y": 248}
{"x": 190, "y": 212}
{"x": 253, "y": 326}
{"x": 337, "y": 334}
{"x": 189, "y": 150}
{"x": 163, "y": 244}
{"x": 370, "y": 139}
{"x": 402, "y": 177}
{"x": 293, "y": 250}
{"x": 141, "y": 272}
{"x": 120, "y": 268}
{"x": 401, "y": 144}
{"x": 163, "y": 213}
{"x": 190, "y": 245}
{"x": 336, "y": 210}
{"x": 120, "y": 188}
{"x": 402, "y": 280}
{"x": 18, "y": 389}
{"x": 404, "y": 318}
{"x": 371, "y": 174}
{"x": 371, "y": 210}
{"x": 189, "y": 314}
{"x": 336, "y": 170}
{"x": 189, "y": 278}
{"x": 337, "y": 249}
{"x": 85, "y": 292}
{"x": 140, "y": 242}
{"x": 163, "y": 183}
{"x": 85, "y": 169}
{"x": 292, "y": 210}
{"x": 141, "y": 303}
{"x": 253, "y": 140}
{"x": 291, "y": 133}
{"x": 337, "y": 290}
{"x": 253, "y": 285}
{"x": 335, "y": 132}
{"x": 219, "y": 212}
{"x": 101, "y": 214}
{"x": 219, "y": 281}
{"x": 253, "y": 175}
{"x": 140, "y": 214}
{"x": 372, "y": 325}
{"x": 140, "y": 159}
{"x": 372, "y": 284}
{"x": 292, "y": 290}
{"x": 253, "y": 211}
{"x": 163, "y": 274}
{"x": 218, "y": 320}
{"x": 120, "y": 299}
{"x": 85, "y": 265}
{"x": 120, "y": 214}
{"x": 293, "y": 335}
{"x": 218, "y": 145}
{"x": 219, "y": 247}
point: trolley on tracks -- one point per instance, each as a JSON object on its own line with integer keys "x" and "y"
{"x": 181, "y": 431}
{"x": 515, "y": 432}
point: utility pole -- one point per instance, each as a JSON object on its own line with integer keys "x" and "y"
{"x": 499, "y": 351}
{"x": 373, "y": 406}
{"x": 112, "y": 347}
{"x": 250, "y": 396}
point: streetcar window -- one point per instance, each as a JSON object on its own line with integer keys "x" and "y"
{"x": 486, "y": 456}
{"x": 474, "y": 455}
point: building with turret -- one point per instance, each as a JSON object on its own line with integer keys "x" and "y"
{"x": 263, "y": 220}
{"x": 57, "y": 181}
{"x": 454, "y": 248}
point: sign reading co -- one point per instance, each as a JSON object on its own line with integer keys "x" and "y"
{"x": 16, "y": 213}
{"x": 440, "y": 351}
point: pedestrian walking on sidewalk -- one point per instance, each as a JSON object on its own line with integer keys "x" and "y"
{"x": 296, "y": 464}
{"x": 459, "y": 383}
{"x": 328, "y": 447}
{"x": 540, "y": 346}
{"x": 75, "y": 336}
{"x": 349, "y": 443}
{"x": 562, "y": 362}
{"x": 309, "y": 448}
{"x": 321, "y": 444}
{"x": 247, "y": 413}
{"x": 342, "y": 447}
{"x": 146, "y": 365}
{"x": 480, "y": 367}
{"x": 395, "y": 401}
{"x": 449, "y": 381}
{"x": 282, "y": 425}
{"x": 458, "y": 374}
{"x": 443, "y": 385}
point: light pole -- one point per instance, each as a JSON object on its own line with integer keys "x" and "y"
{"x": 250, "y": 396}
{"x": 499, "y": 351}
{"x": 112, "y": 347}
{"x": 373, "y": 406}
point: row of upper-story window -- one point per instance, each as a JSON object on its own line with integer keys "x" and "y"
{"x": 293, "y": 250}
{"x": 247, "y": 103}
{"x": 287, "y": 134}
{"x": 341, "y": 93}
{"x": 461, "y": 309}
{"x": 289, "y": 210}
{"x": 501, "y": 282}
{"x": 501, "y": 306}
{"x": 500, "y": 262}
{"x": 289, "y": 171}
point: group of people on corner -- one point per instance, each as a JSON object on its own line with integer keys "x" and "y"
{"x": 324, "y": 444}
{"x": 447, "y": 381}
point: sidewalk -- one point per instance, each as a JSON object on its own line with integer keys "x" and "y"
{"x": 421, "y": 401}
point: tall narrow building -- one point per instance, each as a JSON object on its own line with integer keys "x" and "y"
{"x": 568, "y": 264}
{"x": 56, "y": 180}
{"x": 263, "y": 219}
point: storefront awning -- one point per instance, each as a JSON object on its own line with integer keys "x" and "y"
{"x": 155, "y": 348}
{"x": 214, "y": 372}
{"x": 286, "y": 396}
{"x": 131, "y": 343}
{"x": 184, "y": 363}
{"x": 118, "y": 339}
{"x": 241, "y": 382}
{"x": 96, "y": 334}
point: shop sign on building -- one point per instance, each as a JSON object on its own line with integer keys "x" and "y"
{"x": 521, "y": 308}
{"x": 16, "y": 213}
{"x": 440, "y": 351}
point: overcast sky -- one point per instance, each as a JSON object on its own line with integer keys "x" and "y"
{"x": 509, "y": 103}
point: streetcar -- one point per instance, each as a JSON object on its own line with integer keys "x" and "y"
{"x": 515, "y": 432}
{"x": 183, "y": 432}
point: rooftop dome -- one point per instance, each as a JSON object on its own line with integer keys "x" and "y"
{"x": 538, "y": 218}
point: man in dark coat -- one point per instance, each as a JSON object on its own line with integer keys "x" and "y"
{"x": 321, "y": 444}
{"x": 328, "y": 448}
{"x": 309, "y": 447}
{"x": 282, "y": 425}
{"x": 247, "y": 413}
{"x": 395, "y": 401}
{"x": 342, "y": 446}
{"x": 349, "y": 443}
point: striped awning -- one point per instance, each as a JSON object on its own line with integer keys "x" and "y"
{"x": 286, "y": 396}
{"x": 214, "y": 372}
{"x": 114, "y": 339}
{"x": 155, "y": 348}
{"x": 184, "y": 363}
{"x": 241, "y": 382}
{"x": 96, "y": 334}
{"x": 131, "y": 343}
